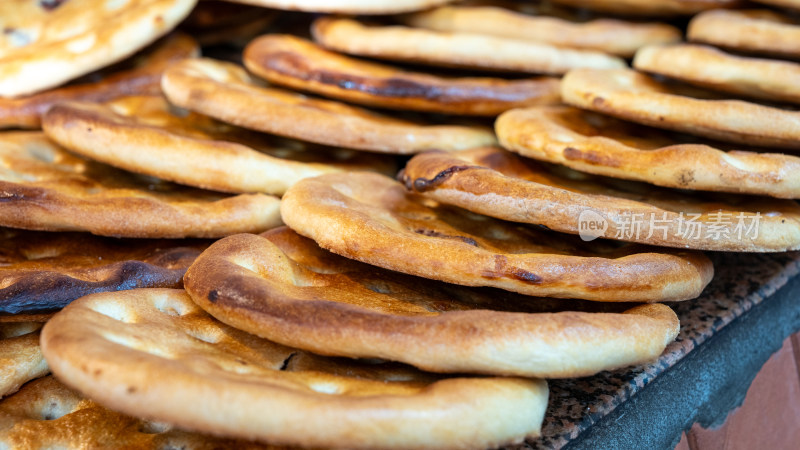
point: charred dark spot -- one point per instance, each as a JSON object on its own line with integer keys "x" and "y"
{"x": 501, "y": 270}
{"x": 685, "y": 177}
{"x": 213, "y": 296}
{"x": 88, "y": 130}
{"x": 50, "y": 5}
{"x": 424, "y": 184}
{"x": 523, "y": 275}
{"x": 9, "y": 30}
{"x": 286, "y": 361}
{"x": 131, "y": 389}
{"x": 437, "y": 234}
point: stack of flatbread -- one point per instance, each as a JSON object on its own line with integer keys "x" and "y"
{"x": 367, "y": 224}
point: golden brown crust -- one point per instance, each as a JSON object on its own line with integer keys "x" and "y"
{"x": 151, "y": 352}
{"x": 45, "y": 44}
{"x": 18, "y": 318}
{"x": 273, "y": 286}
{"x": 705, "y": 66}
{"x": 47, "y": 414}
{"x": 300, "y": 64}
{"x": 663, "y": 8}
{"x": 21, "y": 358}
{"x": 503, "y": 185}
{"x": 151, "y": 138}
{"x": 757, "y": 31}
{"x": 602, "y": 145}
{"x": 370, "y": 218}
{"x": 44, "y": 271}
{"x": 618, "y": 37}
{"x": 226, "y": 92}
{"x": 43, "y": 187}
{"x": 634, "y": 96}
{"x": 469, "y": 50}
{"x": 143, "y": 77}
{"x": 349, "y": 6}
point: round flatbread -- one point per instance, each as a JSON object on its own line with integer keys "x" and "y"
{"x": 151, "y": 353}
{"x": 634, "y": 96}
{"x": 138, "y": 75}
{"x": 44, "y": 271}
{"x": 300, "y": 64}
{"x": 603, "y": 145}
{"x": 370, "y": 218}
{"x": 348, "y": 6}
{"x": 705, "y": 66}
{"x": 44, "y": 187}
{"x": 456, "y": 49}
{"x": 47, "y": 43}
{"x": 21, "y": 357}
{"x": 226, "y": 92}
{"x": 500, "y": 184}
{"x": 149, "y": 137}
{"x": 664, "y": 8}
{"x": 271, "y": 285}
{"x": 756, "y": 31}
{"x": 47, "y": 414}
{"x": 618, "y": 37}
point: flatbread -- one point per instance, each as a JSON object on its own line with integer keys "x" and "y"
{"x": 663, "y": 8}
{"x": 138, "y": 75}
{"x": 47, "y": 414}
{"x": 215, "y": 22}
{"x": 370, "y": 218}
{"x": 466, "y": 50}
{"x": 271, "y": 285}
{"x": 348, "y": 6}
{"x": 155, "y": 354}
{"x": 500, "y": 184}
{"x": 47, "y": 43}
{"x": 150, "y": 138}
{"x": 43, "y": 187}
{"x": 634, "y": 96}
{"x": 603, "y": 145}
{"x": 43, "y": 271}
{"x": 618, "y": 37}
{"x": 226, "y": 92}
{"x": 302, "y": 65}
{"x": 21, "y": 358}
{"x": 757, "y": 31}
{"x": 705, "y": 66}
